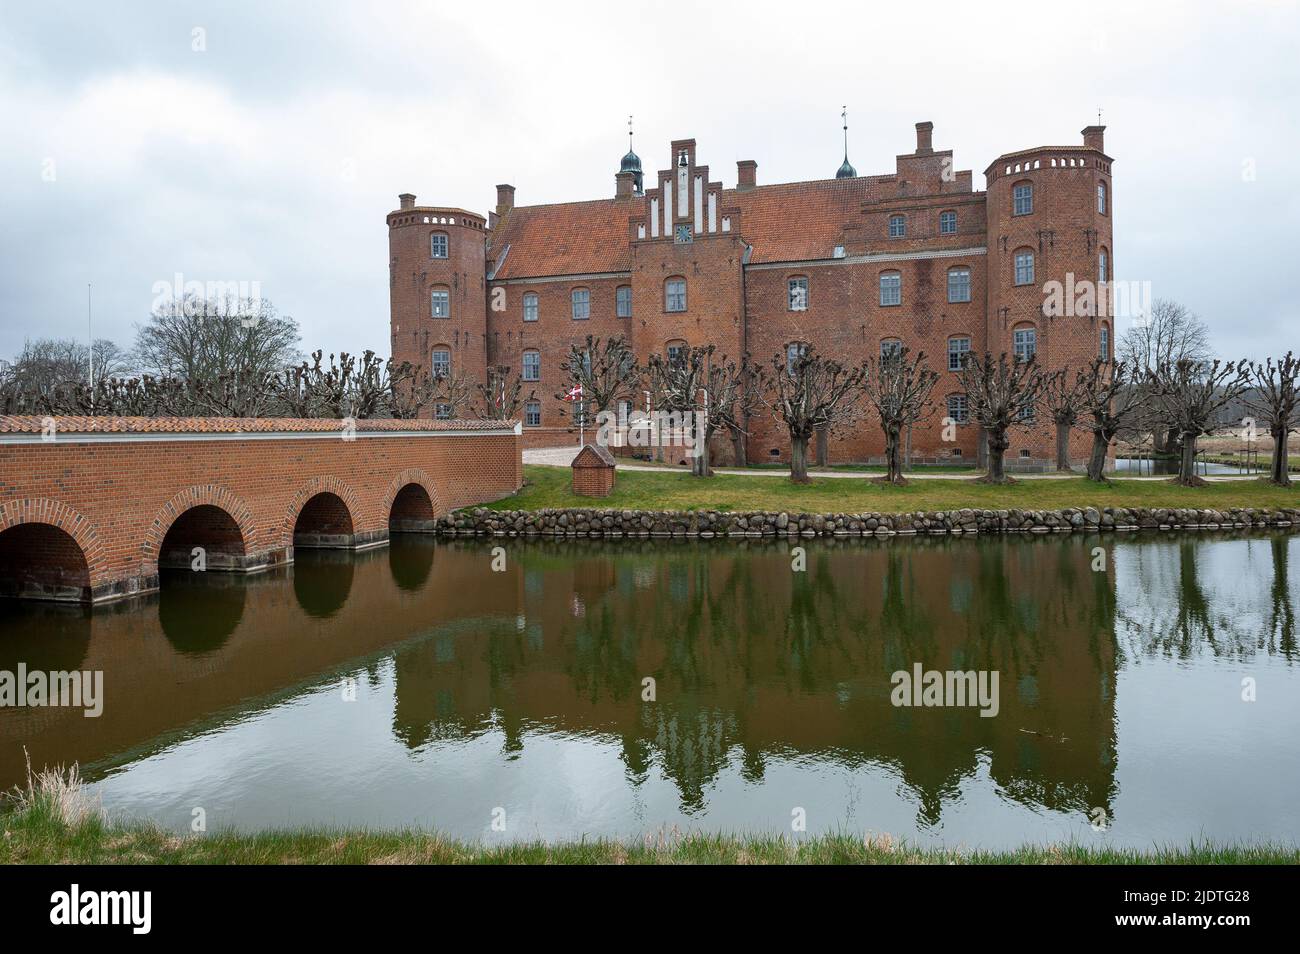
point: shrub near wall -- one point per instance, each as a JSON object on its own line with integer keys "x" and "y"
{"x": 711, "y": 523}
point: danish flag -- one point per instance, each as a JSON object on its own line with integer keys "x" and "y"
{"x": 574, "y": 393}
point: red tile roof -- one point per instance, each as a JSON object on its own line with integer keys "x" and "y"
{"x": 784, "y": 222}
{"x": 569, "y": 238}
{"x": 29, "y": 424}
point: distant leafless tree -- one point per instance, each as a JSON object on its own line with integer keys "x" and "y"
{"x": 1001, "y": 394}
{"x": 1191, "y": 395}
{"x": 899, "y": 389}
{"x": 1273, "y": 398}
{"x": 1169, "y": 334}
{"x": 1107, "y": 400}
{"x": 200, "y": 340}
{"x": 808, "y": 392}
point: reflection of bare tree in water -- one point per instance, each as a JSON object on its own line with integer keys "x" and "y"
{"x": 1281, "y": 620}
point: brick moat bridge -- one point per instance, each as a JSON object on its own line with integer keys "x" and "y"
{"x": 92, "y": 507}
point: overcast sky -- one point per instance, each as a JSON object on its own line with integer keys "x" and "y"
{"x": 273, "y": 152}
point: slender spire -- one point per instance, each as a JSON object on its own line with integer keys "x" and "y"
{"x": 629, "y": 131}
{"x": 632, "y": 162}
{"x": 846, "y": 170}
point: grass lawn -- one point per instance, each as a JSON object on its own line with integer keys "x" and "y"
{"x": 644, "y": 490}
{"x": 40, "y": 835}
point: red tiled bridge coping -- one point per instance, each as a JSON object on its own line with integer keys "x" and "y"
{"x": 92, "y": 507}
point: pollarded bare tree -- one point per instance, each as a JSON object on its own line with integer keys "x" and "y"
{"x": 1192, "y": 394}
{"x": 602, "y": 373}
{"x": 1109, "y": 400}
{"x": 899, "y": 389}
{"x": 503, "y": 397}
{"x": 1000, "y": 394}
{"x": 807, "y": 392}
{"x": 1273, "y": 397}
{"x": 705, "y": 386}
{"x": 1062, "y": 398}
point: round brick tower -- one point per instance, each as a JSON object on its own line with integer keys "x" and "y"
{"x": 437, "y": 287}
{"x": 1050, "y": 259}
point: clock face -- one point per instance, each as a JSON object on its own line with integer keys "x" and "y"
{"x": 683, "y": 234}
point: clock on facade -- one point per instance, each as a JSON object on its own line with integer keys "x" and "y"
{"x": 683, "y": 234}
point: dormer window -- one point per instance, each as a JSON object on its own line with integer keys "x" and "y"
{"x": 837, "y": 252}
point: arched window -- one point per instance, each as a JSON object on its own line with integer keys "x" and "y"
{"x": 1101, "y": 197}
{"x": 958, "y": 284}
{"x": 797, "y": 293}
{"x": 532, "y": 365}
{"x": 675, "y": 294}
{"x": 1022, "y": 198}
{"x": 890, "y": 348}
{"x": 1103, "y": 266}
{"x": 793, "y": 352}
{"x": 897, "y": 226}
{"x": 1103, "y": 343}
{"x": 581, "y": 302}
{"x": 958, "y": 348}
{"x": 891, "y": 288}
{"x": 1024, "y": 266}
{"x": 440, "y": 303}
{"x": 948, "y": 223}
{"x": 438, "y": 245}
{"x": 530, "y": 306}
{"x": 676, "y": 352}
{"x": 1025, "y": 342}
{"x": 440, "y": 361}
{"x": 623, "y": 301}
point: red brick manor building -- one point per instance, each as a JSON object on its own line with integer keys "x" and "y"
{"x": 851, "y": 265}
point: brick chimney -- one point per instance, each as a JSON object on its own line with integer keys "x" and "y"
{"x": 746, "y": 175}
{"x": 924, "y": 138}
{"x": 1094, "y": 137}
{"x": 623, "y": 185}
{"x": 407, "y": 200}
{"x": 505, "y": 198}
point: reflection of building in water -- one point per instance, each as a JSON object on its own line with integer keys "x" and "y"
{"x": 754, "y": 662}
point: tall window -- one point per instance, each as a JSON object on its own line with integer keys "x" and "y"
{"x": 623, "y": 301}
{"x": 675, "y": 294}
{"x": 676, "y": 352}
{"x": 532, "y": 366}
{"x": 1101, "y": 197}
{"x": 1103, "y": 344}
{"x": 1026, "y": 343}
{"x": 1022, "y": 199}
{"x": 440, "y": 303}
{"x": 438, "y": 245}
{"x": 890, "y": 348}
{"x": 897, "y": 226}
{"x": 1103, "y": 266}
{"x": 1024, "y": 268}
{"x": 947, "y": 223}
{"x": 958, "y": 409}
{"x": 440, "y": 365}
{"x": 797, "y": 294}
{"x": 530, "y": 306}
{"x": 958, "y": 284}
{"x": 793, "y": 352}
{"x": 581, "y": 299}
{"x": 958, "y": 348}
{"x": 891, "y": 288}
{"x": 533, "y": 413}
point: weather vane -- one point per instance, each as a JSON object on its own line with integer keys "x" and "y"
{"x": 629, "y": 131}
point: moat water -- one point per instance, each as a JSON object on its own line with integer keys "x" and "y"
{"x": 417, "y": 686}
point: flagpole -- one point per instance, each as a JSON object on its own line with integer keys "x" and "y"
{"x": 90, "y": 351}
